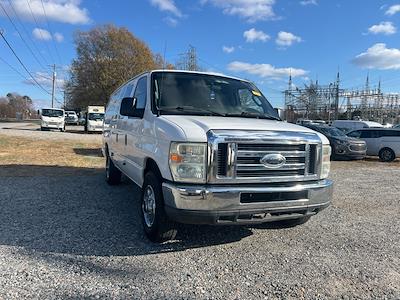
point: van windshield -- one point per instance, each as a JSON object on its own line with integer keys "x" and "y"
{"x": 52, "y": 113}
{"x": 203, "y": 94}
{"x": 96, "y": 116}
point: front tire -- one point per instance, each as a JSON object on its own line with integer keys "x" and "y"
{"x": 387, "y": 155}
{"x": 156, "y": 224}
{"x": 113, "y": 174}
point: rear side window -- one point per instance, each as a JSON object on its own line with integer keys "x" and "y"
{"x": 366, "y": 134}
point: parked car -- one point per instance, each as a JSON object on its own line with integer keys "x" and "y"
{"x": 52, "y": 118}
{"x": 348, "y": 125}
{"x": 210, "y": 149}
{"x": 306, "y": 121}
{"x": 383, "y": 142}
{"x": 342, "y": 145}
{"x": 396, "y": 126}
{"x": 71, "y": 117}
{"x": 82, "y": 119}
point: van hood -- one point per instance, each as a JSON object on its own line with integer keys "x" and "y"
{"x": 196, "y": 127}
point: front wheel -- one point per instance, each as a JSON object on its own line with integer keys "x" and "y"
{"x": 156, "y": 224}
{"x": 387, "y": 155}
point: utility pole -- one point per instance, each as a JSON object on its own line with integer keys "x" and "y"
{"x": 54, "y": 86}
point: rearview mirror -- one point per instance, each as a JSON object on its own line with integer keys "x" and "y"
{"x": 128, "y": 107}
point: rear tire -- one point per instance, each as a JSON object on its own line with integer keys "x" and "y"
{"x": 156, "y": 224}
{"x": 113, "y": 174}
{"x": 387, "y": 155}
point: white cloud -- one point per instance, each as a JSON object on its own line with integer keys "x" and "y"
{"x": 227, "y": 49}
{"x": 308, "y": 2}
{"x": 171, "y": 21}
{"x": 253, "y": 35}
{"x": 167, "y": 5}
{"x": 58, "y": 37}
{"x": 64, "y": 11}
{"x": 45, "y": 80}
{"x": 265, "y": 70}
{"x": 379, "y": 57}
{"x": 41, "y": 34}
{"x": 286, "y": 39}
{"x": 386, "y": 28}
{"x": 394, "y": 9}
{"x": 250, "y": 10}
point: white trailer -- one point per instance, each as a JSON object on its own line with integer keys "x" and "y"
{"x": 94, "y": 119}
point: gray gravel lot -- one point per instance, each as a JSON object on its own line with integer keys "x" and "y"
{"x": 21, "y": 129}
{"x": 73, "y": 236}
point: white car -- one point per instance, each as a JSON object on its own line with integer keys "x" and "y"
{"x": 348, "y": 125}
{"x": 210, "y": 149}
{"x": 52, "y": 118}
{"x": 382, "y": 142}
{"x": 71, "y": 117}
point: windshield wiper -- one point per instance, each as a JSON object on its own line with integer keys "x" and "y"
{"x": 246, "y": 114}
{"x": 191, "y": 109}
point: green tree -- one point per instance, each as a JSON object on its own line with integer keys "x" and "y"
{"x": 107, "y": 56}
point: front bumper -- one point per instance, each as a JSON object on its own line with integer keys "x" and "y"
{"x": 347, "y": 151}
{"x": 208, "y": 204}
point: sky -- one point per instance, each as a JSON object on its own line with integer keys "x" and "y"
{"x": 260, "y": 40}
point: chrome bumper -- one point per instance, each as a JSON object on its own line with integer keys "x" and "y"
{"x": 211, "y": 204}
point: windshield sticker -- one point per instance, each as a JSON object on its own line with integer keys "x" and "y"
{"x": 256, "y": 93}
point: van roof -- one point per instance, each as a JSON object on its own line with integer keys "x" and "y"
{"x": 369, "y": 123}
{"x": 53, "y": 108}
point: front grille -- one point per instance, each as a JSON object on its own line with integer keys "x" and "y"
{"x": 301, "y": 160}
{"x": 249, "y": 156}
{"x": 358, "y": 147}
{"x": 270, "y": 197}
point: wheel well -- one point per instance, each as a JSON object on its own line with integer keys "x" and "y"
{"x": 151, "y": 165}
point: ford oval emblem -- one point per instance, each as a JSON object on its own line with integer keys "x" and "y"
{"x": 273, "y": 161}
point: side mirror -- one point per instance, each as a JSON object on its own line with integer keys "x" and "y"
{"x": 128, "y": 107}
{"x": 279, "y": 112}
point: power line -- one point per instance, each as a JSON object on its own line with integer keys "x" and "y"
{"x": 22, "y": 64}
{"x": 14, "y": 69}
{"x": 19, "y": 33}
{"x": 27, "y": 33}
{"x": 40, "y": 31}
{"x": 51, "y": 32}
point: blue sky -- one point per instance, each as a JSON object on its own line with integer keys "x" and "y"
{"x": 261, "y": 40}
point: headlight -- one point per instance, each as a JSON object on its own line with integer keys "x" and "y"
{"x": 342, "y": 143}
{"x": 326, "y": 161}
{"x": 187, "y": 162}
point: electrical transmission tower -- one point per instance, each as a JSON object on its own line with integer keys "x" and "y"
{"x": 188, "y": 60}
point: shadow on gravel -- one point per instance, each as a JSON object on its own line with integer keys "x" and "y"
{"x": 76, "y": 212}
{"x": 88, "y": 152}
{"x": 22, "y": 129}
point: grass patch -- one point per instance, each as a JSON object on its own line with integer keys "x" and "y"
{"x": 51, "y": 155}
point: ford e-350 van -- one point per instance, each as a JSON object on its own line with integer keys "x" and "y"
{"x": 210, "y": 149}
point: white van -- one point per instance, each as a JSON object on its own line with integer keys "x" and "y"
{"x": 383, "y": 142}
{"x": 210, "y": 149}
{"x": 52, "y": 118}
{"x": 94, "y": 119}
{"x": 348, "y": 125}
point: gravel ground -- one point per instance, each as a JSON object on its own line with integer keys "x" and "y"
{"x": 73, "y": 236}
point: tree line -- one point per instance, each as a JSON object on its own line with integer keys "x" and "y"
{"x": 14, "y": 105}
{"x": 107, "y": 56}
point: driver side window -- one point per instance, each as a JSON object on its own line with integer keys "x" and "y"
{"x": 250, "y": 101}
{"x": 355, "y": 134}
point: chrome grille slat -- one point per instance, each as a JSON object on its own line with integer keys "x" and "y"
{"x": 261, "y": 153}
{"x": 261, "y": 167}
